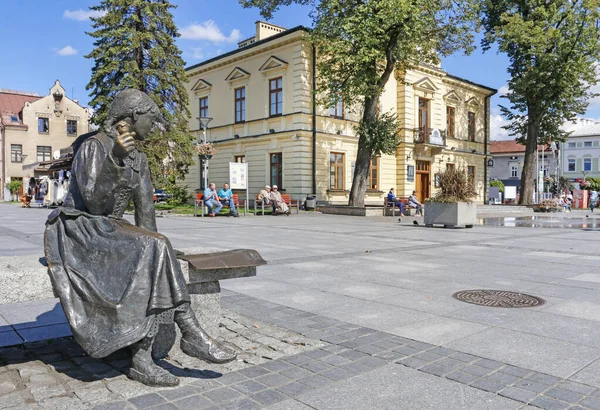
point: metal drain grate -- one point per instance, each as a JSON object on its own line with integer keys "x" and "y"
{"x": 498, "y": 298}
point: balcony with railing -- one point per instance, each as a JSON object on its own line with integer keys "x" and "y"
{"x": 432, "y": 136}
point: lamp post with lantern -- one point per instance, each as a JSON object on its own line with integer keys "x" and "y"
{"x": 204, "y": 121}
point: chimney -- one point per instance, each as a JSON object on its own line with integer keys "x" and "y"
{"x": 266, "y": 30}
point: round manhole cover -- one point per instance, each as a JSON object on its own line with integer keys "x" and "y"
{"x": 498, "y": 298}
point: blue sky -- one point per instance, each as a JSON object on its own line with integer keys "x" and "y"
{"x": 46, "y": 40}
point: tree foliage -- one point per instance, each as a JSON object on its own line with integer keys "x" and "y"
{"x": 135, "y": 48}
{"x": 498, "y": 184}
{"x": 362, "y": 43}
{"x": 553, "y": 49}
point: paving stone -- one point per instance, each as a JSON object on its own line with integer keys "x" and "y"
{"x": 549, "y": 404}
{"x": 27, "y": 371}
{"x": 193, "y": 403}
{"x": 316, "y": 354}
{"x": 316, "y": 366}
{"x": 222, "y": 394}
{"x": 276, "y": 365}
{"x": 407, "y": 350}
{"x": 117, "y": 405}
{"x": 335, "y": 360}
{"x": 450, "y": 363}
{"x": 254, "y": 371}
{"x": 297, "y": 359}
{"x": 317, "y": 381}
{"x": 504, "y": 378}
{"x": 166, "y": 406}
{"x": 464, "y": 357}
{"x": 413, "y": 362}
{"x": 249, "y": 386}
{"x": 356, "y": 367}
{"x": 294, "y": 389}
{"x": 242, "y": 404}
{"x": 7, "y": 387}
{"x": 337, "y": 374}
{"x": 515, "y": 371}
{"x": 420, "y": 345}
{"x": 147, "y": 400}
{"x": 296, "y": 373}
{"x": 489, "y": 364}
{"x": 591, "y": 402}
{"x": 334, "y": 349}
{"x": 62, "y": 403}
{"x": 577, "y": 387}
{"x": 273, "y": 380}
{"x": 488, "y": 385}
{"x": 43, "y": 380}
{"x": 370, "y": 349}
{"x": 544, "y": 378}
{"x": 442, "y": 351}
{"x": 532, "y": 386}
{"x": 96, "y": 395}
{"x": 41, "y": 393}
{"x": 178, "y": 392}
{"x": 428, "y": 357}
{"x": 564, "y": 395}
{"x": 268, "y": 397}
{"x": 514, "y": 393}
{"x": 476, "y": 370}
{"x": 353, "y": 355}
{"x": 231, "y": 378}
{"x": 435, "y": 369}
{"x": 462, "y": 377}
{"x": 389, "y": 355}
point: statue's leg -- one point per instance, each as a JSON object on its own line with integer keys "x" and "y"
{"x": 196, "y": 343}
{"x": 144, "y": 370}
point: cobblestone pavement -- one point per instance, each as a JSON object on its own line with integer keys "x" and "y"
{"x": 285, "y": 354}
{"x": 57, "y": 374}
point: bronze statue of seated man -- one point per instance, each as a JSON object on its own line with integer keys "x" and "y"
{"x": 118, "y": 282}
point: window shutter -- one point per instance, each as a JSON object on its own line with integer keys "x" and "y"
{"x": 579, "y": 144}
{"x": 595, "y": 144}
{"x": 595, "y": 164}
{"x": 579, "y": 166}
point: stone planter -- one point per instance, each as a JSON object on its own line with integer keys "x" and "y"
{"x": 450, "y": 215}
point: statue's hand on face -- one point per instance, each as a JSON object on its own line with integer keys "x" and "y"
{"x": 124, "y": 142}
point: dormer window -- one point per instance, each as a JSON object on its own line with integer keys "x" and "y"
{"x": 14, "y": 118}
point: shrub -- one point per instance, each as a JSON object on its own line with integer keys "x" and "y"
{"x": 498, "y": 183}
{"x": 178, "y": 195}
{"x": 13, "y": 186}
{"x": 455, "y": 186}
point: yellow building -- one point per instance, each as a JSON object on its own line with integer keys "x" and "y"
{"x": 260, "y": 97}
{"x": 34, "y": 129}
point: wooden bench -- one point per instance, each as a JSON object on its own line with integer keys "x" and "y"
{"x": 286, "y": 198}
{"x": 235, "y": 197}
{"x": 407, "y": 211}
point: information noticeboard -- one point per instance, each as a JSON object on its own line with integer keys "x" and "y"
{"x": 238, "y": 175}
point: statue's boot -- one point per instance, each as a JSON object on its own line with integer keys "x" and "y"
{"x": 196, "y": 343}
{"x": 144, "y": 370}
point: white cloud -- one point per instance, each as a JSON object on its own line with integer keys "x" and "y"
{"x": 497, "y": 133}
{"x": 503, "y": 90}
{"x": 66, "y": 51}
{"x": 82, "y": 15}
{"x": 209, "y": 31}
{"x": 197, "y": 53}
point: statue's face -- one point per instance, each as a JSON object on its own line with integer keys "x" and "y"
{"x": 143, "y": 125}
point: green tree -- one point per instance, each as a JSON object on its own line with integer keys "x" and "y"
{"x": 497, "y": 183}
{"x": 135, "y": 48}
{"x": 362, "y": 43}
{"x": 553, "y": 49}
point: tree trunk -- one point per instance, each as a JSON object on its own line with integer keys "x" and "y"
{"x": 528, "y": 176}
{"x": 363, "y": 159}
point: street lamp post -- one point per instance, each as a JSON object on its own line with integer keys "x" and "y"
{"x": 204, "y": 123}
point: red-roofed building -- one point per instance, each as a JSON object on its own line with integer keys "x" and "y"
{"x": 509, "y": 157}
{"x": 33, "y": 128}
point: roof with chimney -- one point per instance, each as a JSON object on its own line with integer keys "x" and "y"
{"x": 509, "y": 147}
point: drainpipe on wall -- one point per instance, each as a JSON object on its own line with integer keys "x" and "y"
{"x": 485, "y": 148}
{"x": 314, "y": 120}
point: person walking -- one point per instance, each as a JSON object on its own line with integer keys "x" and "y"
{"x": 211, "y": 199}
{"x": 226, "y": 197}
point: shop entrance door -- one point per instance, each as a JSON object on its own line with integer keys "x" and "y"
{"x": 423, "y": 180}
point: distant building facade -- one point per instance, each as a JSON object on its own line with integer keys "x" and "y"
{"x": 260, "y": 99}
{"x": 34, "y": 128}
{"x": 509, "y": 157}
{"x": 581, "y": 153}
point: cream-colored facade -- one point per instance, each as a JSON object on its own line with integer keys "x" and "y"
{"x": 34, "y": 129}
{"x": 271, "y": 77}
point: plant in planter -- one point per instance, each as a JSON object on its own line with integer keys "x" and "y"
{"x": 453, "y": 205}
{"x": 548, "y": 205}
{"x": 204, "y": 150}
{"x": 13, "y": 187}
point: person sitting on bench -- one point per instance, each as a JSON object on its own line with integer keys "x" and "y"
{"x": 393, "y": 201}
{"x": 226, "y": 198}
{"x": 212, "y": 199}
{"x": 264, "y": 197}
{"x": 279, "y": 204}
{"x": 413, "y": 202}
